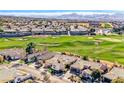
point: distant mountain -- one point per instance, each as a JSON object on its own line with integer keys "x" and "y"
{"x": 97, "y": 17}
{"x": 91, "y": 17}
{"x": 69, "y": 16}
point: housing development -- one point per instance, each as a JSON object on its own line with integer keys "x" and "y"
{"x": 61, "y": 50}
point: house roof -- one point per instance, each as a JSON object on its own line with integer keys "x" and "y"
{"x": 42, "y": 55}
{"x": 115, "y": 73}
{"x": 13, "y": 52}
{"x": 94, "y": 65}
{"x": 58, "y": 66}
{"x": 53, "y": 60}
{"x": 80, "y": 64}
{"x": 7, "y": 74}
{"x": 87, "y": 71}
{"x": 65, "y": 59}
{"x": 59, "y": 61}
{"x": 55, "y": 63}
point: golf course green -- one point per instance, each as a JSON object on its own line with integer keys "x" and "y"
{"x": 110, "y": 48}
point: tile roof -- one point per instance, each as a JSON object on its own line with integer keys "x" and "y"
{"x": 13, "y": 52}
{"x": 115, "y": 73}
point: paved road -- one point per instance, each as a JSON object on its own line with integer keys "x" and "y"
{"x": 38, "y": 75}
{"x": 30, "y": 70}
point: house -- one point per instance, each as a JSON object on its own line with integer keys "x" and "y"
{"x": 58, "y": 69}
{"x": 77, "y": 67}
{"x": 12, "y": 54}
{"x": 63, "y": 59}
{"x": 49, "y": 62}
{"x": 54, "y": 66}
{"x": 103, "y": 31}
{"x": 97, "y": 66}
{"x": 86, "y": 75}
{"x": 83, "y": 24}
{"x": 45, "y": 55}
{"x": 99, "y": 31}
{"x": 66, "y": 59}
{"x": 60, "y": 63}
{"x": 115, "y": 73}
{"x": 107, "y": 31}
{"x": 80, "y": 65}
{"x": 7, "y": 74}
{"x": 94, "y": 24}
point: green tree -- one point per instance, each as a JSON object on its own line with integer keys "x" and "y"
{"x": 85, "y": 58}
{"x": 96, "y": 74}
{"x": 122, "y": 28}
{"x": 30, "y": 48}
{"x": 117, "y": 30}
{"x": 92, "y": 31}
{"x": 1, "y": 30}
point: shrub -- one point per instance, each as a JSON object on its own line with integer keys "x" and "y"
{"x": 30, "y": 48}
{"x": 1, "y": 59}
{"x": 85, "y": 58}
{"x": 118, "y": 80}
{"x": 96, "y": 74}
{"x": 1, "y": 30}
{"x": 98, "y": 60}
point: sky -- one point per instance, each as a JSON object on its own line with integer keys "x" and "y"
{"x": 58, "y": 7}
{"x": 62, "y": 4}
{"x": 56, "y": 12}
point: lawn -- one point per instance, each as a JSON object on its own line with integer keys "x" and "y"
{"x": 109, "y": 48}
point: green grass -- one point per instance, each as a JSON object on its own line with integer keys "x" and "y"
{"x": 81, "y": 45}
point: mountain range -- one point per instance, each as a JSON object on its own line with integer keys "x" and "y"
{"x": 93, "y": 17}
{"x": 97, "y": 16}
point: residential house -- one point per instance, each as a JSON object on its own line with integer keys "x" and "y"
{"x": 77, "y": 67}
{"x": 67, "y": 60}
{"x": 55, "y": 66}
{"x": 50, "y": 62}
{"x": 81, "y": 65}
{"x": 86, "y": 75}
{"x": 59, "y": 63}
{"x": 95, "y": 24}
{"x": 83, "y": 24}
{"x": 7, "y": 75}
{"x": 115, "y": 73}
{"x": 45, "y": 55}
{"x": 58, "y": 69}
{"x": 96, "y": 66}
{"x": 12, "y": 54}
